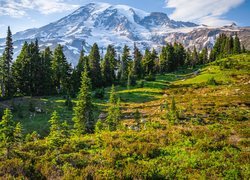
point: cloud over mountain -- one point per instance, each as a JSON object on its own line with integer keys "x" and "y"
{"x": 204, "y": 12}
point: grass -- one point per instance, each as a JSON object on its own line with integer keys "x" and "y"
{"x": 210, "y": 140}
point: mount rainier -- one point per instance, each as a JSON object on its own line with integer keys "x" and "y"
{"x": 119, "y": 25}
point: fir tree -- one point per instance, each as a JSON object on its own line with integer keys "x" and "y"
{"x": 83, "y": 112}
{"x": 95, "y": 68}
{"x": 114, "y": 112}
{"x": 125, "y": 63}
{"x": 237, "y": 46}
{"x": 137, "y": 63}
{"x": 10, "y": 132}
{"x": 60, "y": 70}
{"x": 108, "y": 66}
{"x": 195, "y": 57}
{"x": 5, "y": 66}
{"x": 55, "y": 137}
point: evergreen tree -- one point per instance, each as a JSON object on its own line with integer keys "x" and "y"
{"x": 108, "y": 66}
{"x": 95, "y": 68}
{"x": 137, "y": 63}
{"x": 5, "y": 66}
{"x": 195, "y": 57}
{"x": 203, "y": 57}
{"x": 55, "y": 137}
{"x": 114, "y": 112}
{"x": 60, "y": 70}
{"x": 10, "y": 132}
{"x": 83, "y": 112}
{"x": 46, "y": 72}
{"x": 147, "y": 62}
{"x": 125, "y": 63}
{"x": 21, "y": 71}
{"x": 77, "y": 72}
{"x": 236, "y": 46}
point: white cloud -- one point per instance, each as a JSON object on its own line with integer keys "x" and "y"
{"x": 19, "y": 8}
{"x": 208, "y": 12}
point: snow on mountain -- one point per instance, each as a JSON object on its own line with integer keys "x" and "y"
{"x": 112, "y": 24}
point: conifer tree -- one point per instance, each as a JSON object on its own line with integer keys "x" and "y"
{"x": 203, "y": 56}
{"x": 108, "y": 66}
{"x": 137, "y": 63}
{"x": 95, "y": 68}
{"x": 60, "y": 69}
{"x": 237, "y": 46}
{"x": 114, "y": 112}
{"x": 10, "y": 132}
{"x": 46, "y": 72}
{"x": 195, "y": 57}
{"x": 83, "y": 112}
{"x": 5, "y": 66}
{"x": 126, "y": 63}
{"x": 55, "y": 137}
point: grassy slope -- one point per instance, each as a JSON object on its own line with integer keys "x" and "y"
{"x": 211, "y": 140}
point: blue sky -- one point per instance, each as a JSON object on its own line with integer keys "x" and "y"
{"x": 24, "y": 14}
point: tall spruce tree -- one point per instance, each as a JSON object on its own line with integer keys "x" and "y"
{"x": 83, "y": 112}
{"x": 114, "y": 112}
{"x": 60, "y": 70}
{"x": 125, "y": 63}
{"x": 108, "y": 66}
{"x": 46, "y": 72}
{"x": 10, "y": 132}
{"x": 236, "y": 46}
{"x": 56, "y": 136}
{"x": 95, "y": 67}
{"x": 5, "y": 66}
{"x": 195, "y": 57}
{"x": 137, "y": 63}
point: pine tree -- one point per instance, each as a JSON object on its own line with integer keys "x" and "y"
{"x": 237, "y": 46}
{"x": 125, "y": 63}
{"x": 5, "y": 66}
{"x": 10, "y": 132}
{"x": 95, "y": 68}
{"x": 195, "y": 57}
{"x": 114, "y": 112}
{"x": 60, "y": 70}
{"x": 21, "y": 71}
{"x": 46, "y": 72}
{"x": 55, "y": 137}
{"x": 77, "y": 72}
{"x": 108, "y": 66}
{"x": 83, "y": 112}
{"x": 203, "y": 56}
{"x": 137, "y": 63}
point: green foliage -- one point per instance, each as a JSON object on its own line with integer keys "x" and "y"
{"x": 58, "y": 131}
{"x": 83, "y": 111}
{"x": 10, "y": 132}
{"x": 95, "y": 68}
{"x": 114, "y": 111}
{"x": 61, "y": 71}
{"x": 99, "y": 93}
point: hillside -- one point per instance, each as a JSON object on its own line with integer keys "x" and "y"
{"x": 209, "y": 139}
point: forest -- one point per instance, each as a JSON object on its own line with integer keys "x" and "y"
{"x": 174, "y": 114}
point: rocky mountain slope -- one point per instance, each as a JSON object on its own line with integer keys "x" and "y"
{"x": 118, "y": 25}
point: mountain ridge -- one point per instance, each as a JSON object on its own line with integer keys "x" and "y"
{"x": 108, "y": 24}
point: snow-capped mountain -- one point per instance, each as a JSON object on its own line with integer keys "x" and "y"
{"x": 111, "y": 24}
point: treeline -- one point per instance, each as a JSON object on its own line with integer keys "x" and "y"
{"x": 38, "y": 73}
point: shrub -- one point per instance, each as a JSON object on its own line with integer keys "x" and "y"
{"x": 212, "y": 81}
{"x": 99, "y": 93}
{"x": 150, "y": 77}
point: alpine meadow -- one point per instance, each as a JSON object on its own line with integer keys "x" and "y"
{"x": 112, "y": 91}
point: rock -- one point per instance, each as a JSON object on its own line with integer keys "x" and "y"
{"x": 102, "y": 116}
{"x": 38, "y": 110}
